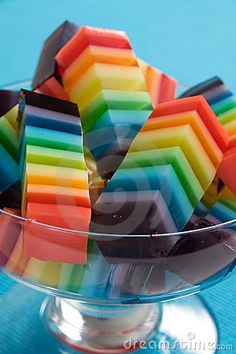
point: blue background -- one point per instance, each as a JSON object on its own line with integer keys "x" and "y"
{"x": 189, "y": 39}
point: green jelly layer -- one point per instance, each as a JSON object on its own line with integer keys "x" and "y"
{"x": 55, "y": 157}
{"x": 113, "y": 99}
{"x": 177, "y": 159}
{"x": 48, "y": 138}
{"x": 228, "y": 116}
{"x": 71, "y": 276}
{"x": 231, "y": 204}
{"x": 8, "y": 137}
{"x": 52, "y": 139}
{"x": 224, "y": 105}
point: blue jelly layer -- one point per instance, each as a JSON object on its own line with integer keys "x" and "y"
{"x": 9, "y": 170}
{"x": 162, "y": 178}
{"x": 48, "y": 119}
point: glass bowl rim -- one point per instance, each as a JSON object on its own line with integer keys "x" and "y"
{"x": 99, "y": 236}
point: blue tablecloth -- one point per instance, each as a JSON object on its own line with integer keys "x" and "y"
{"x": 190, "y": 40}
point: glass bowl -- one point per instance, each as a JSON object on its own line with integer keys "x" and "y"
{"x": 121, "y": 269}
{"x": 119, "y": 301}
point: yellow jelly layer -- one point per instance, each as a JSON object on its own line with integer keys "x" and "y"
{"x": 11, "y": 116}
{"x": 198, "y": 126}
{"x": 46, "y": 273}
{"x": 56, "y": 176}
{"x": 230, "y": 127}
{"x": 97, "y": 54}
{"x": 106, "y": 76}
{"x": 185, "y": 138}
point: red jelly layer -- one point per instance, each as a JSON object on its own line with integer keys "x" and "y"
{"x": 226, "y": 169}
{"x": 90, "y": 36}
{"x": 48, "y": 243}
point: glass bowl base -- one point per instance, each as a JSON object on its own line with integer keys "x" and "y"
{"x": 101, "y": 329}
{"x": 184, "y": 325}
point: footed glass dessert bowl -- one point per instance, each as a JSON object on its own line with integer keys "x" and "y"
{"x": 119, "y": 301}
{"x": 117, "y": 304}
